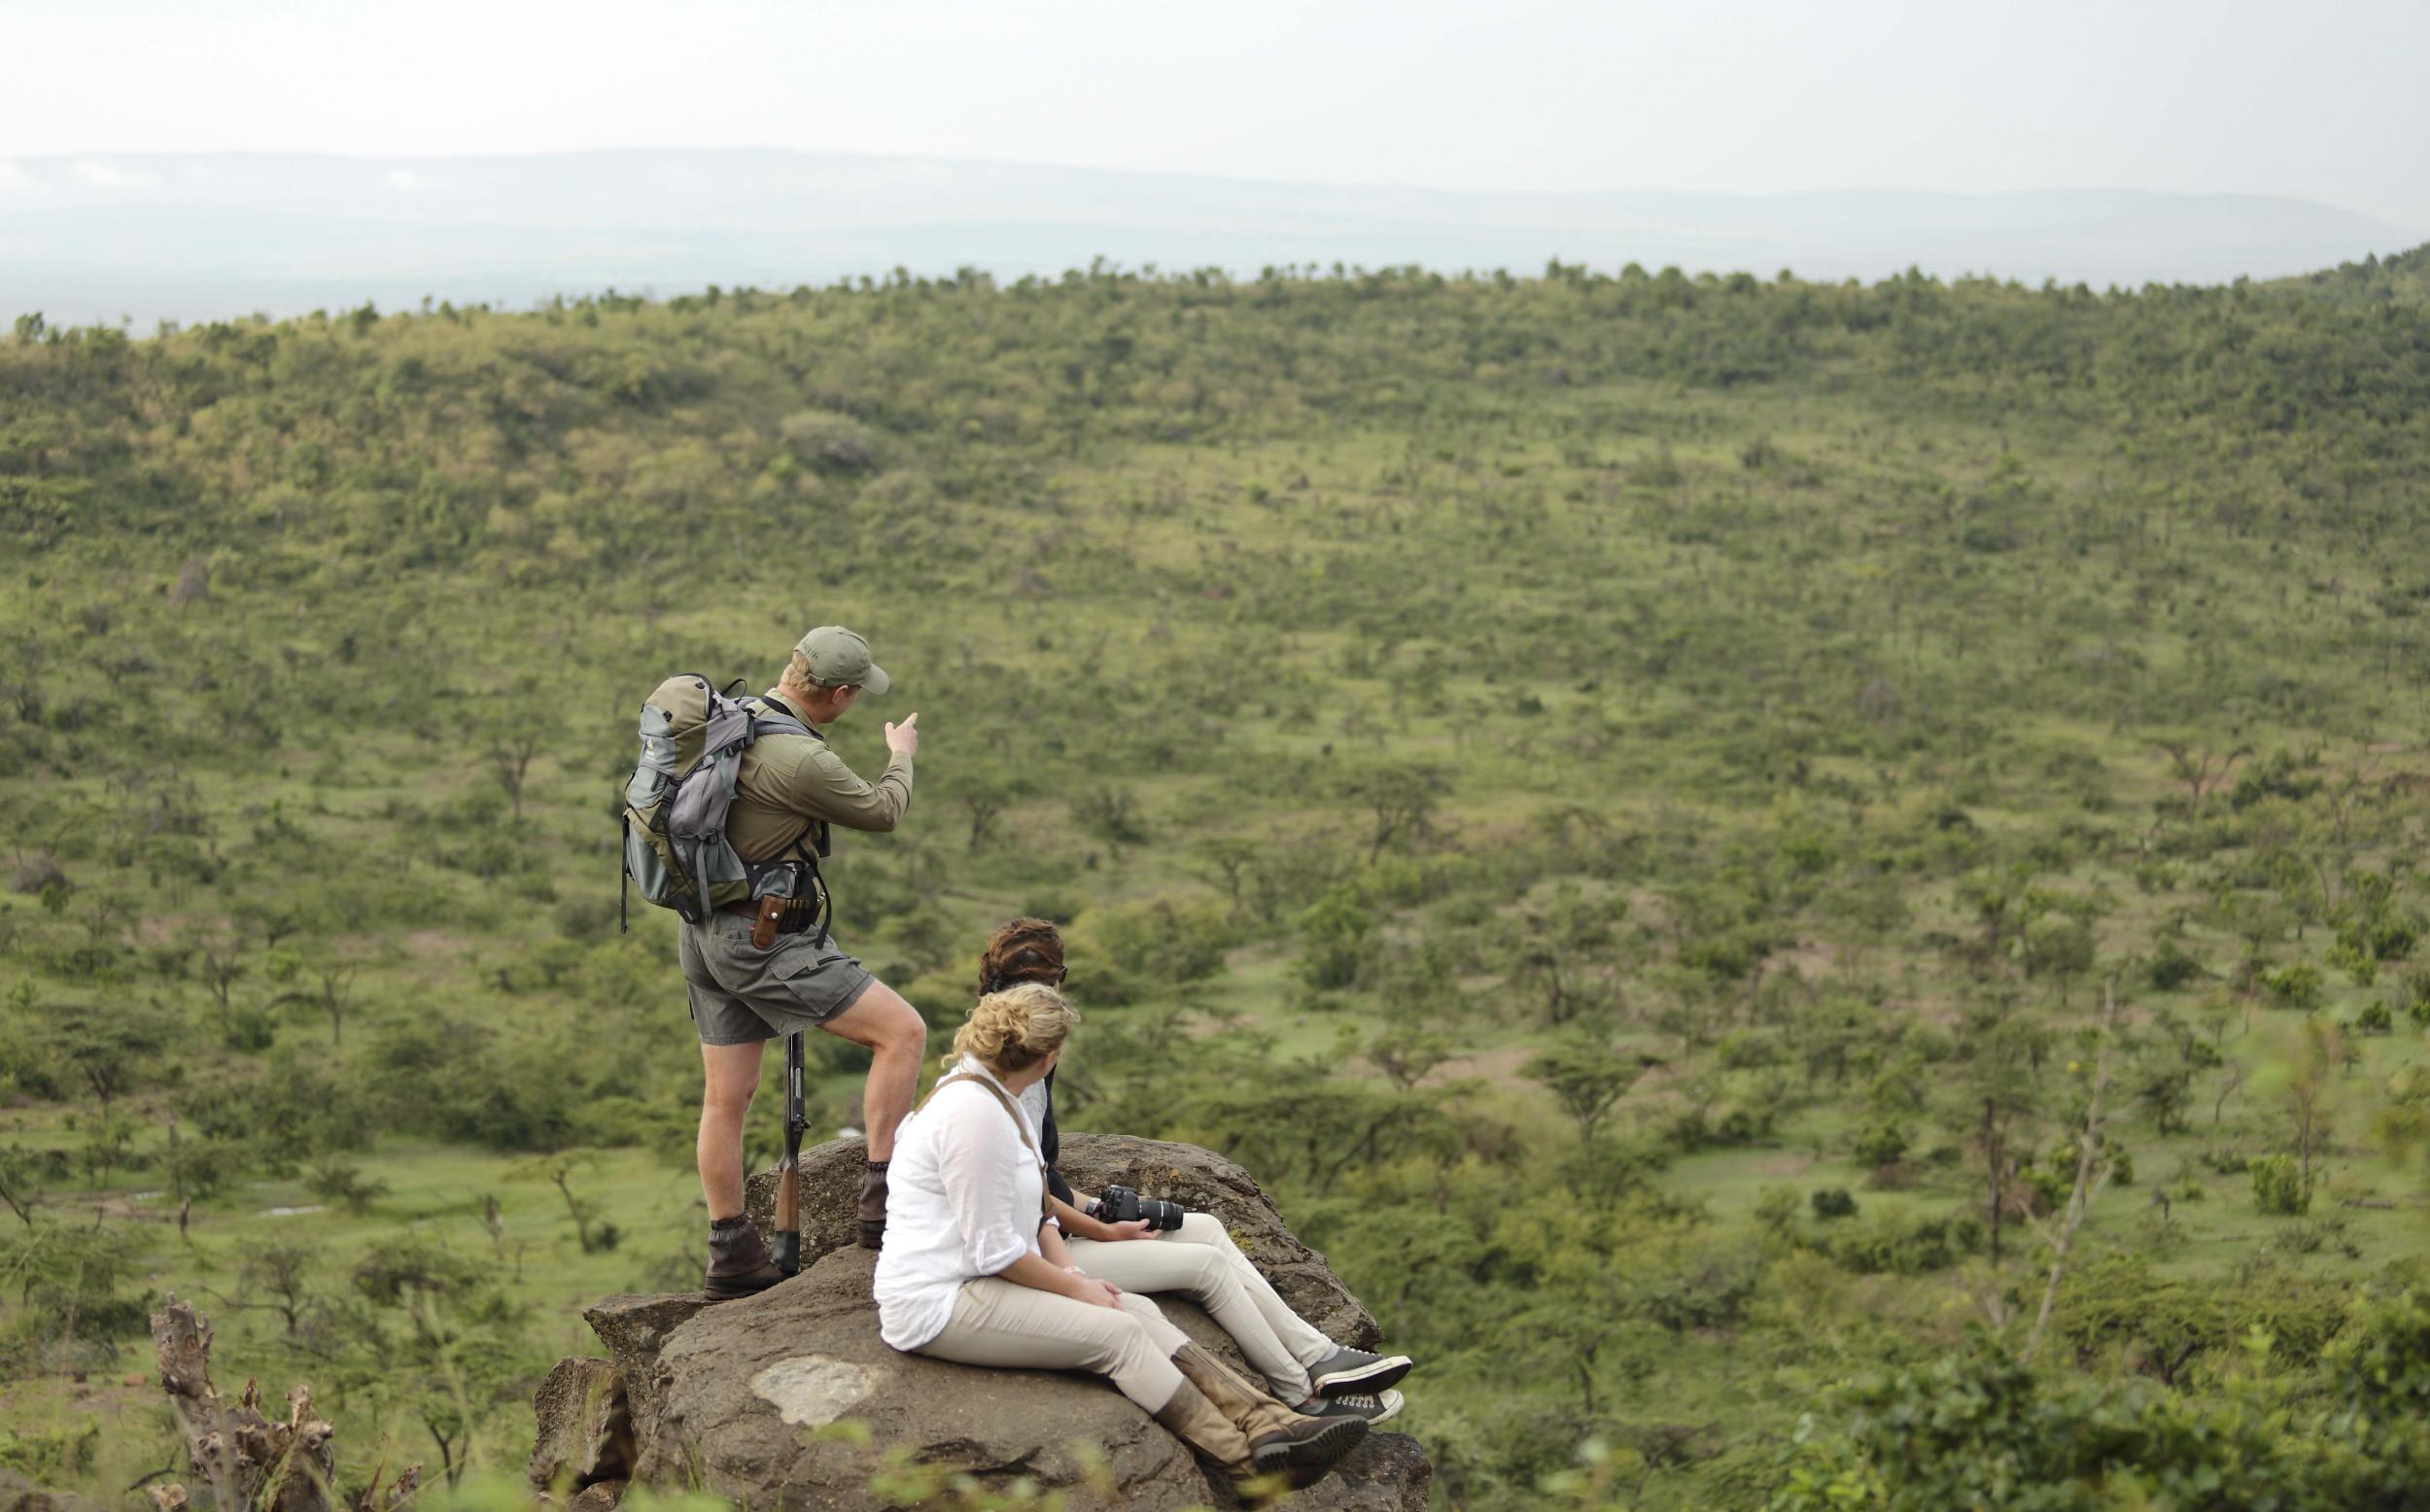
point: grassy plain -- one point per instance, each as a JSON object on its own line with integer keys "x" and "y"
{"x": 1781, "y": 705}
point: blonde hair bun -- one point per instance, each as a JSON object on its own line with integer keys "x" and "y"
{"x": 1012, "y": 1030}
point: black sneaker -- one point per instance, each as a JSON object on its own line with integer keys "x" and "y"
{"x": 1379, "y": 1407}
{"x": 1346, "y": 1372}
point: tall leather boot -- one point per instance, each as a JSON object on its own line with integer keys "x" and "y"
{"x": 1278, "y": 1438}
{"x": 1191, "y": 1417}
{"x": 869, "y": 1209}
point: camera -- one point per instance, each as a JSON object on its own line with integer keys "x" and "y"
{"x": 1121, "y": 1205}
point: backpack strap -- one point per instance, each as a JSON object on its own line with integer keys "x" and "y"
{"x": 808, "y": 848}
{"x": 1021, "y": 1126}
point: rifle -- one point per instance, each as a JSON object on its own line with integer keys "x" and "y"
{"x": 788, "y": 1245}
{"x": 789, "y": 1241}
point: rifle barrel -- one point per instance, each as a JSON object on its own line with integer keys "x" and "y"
{"x": 788, "y": 1246}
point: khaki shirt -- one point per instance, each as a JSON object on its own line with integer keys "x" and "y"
{"x": 790, "y": 780}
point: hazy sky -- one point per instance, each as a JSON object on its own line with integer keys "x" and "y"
{"x": 2322, "y": 100}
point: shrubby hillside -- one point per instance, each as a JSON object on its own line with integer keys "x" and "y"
{"x": 1810, "y": 889}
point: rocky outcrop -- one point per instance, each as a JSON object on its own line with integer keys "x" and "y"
{"x": 586, "y": 1425}
{"x": 790, "y": 1401}
{"x": 1198, "y": 1178}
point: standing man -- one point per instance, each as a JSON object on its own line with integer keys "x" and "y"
{"x": 788, "y": 790}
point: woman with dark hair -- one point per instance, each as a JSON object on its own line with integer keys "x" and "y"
{"x": 1198, "y": 1259}
{"x": 974, "y": 1271}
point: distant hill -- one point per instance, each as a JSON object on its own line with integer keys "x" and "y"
{"x": 190, "y": 237}
{"x": 2404, "y": 276}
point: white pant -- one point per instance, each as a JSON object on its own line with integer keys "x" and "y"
{"x": 1200, "y": 1260}
{"x": 1001, "y": 1322}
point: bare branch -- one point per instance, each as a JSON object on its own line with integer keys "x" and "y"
{"x": 2088, "y": 1163}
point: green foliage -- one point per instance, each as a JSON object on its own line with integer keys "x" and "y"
{"x": 338, "y": 1182}
{"x": 1333, "y": 932}
{"x": 2278, "y": 1185}
{"x": 2298, "y": 987}
{"x": 1880, "y": 1144}
{"x": 1532, "y": 768}
{"x": 68, "y": 1282}
{"x": 1158, "y": 946}
{"x": 1900, "y": 1243}
{"x": 1980, "y": 1429}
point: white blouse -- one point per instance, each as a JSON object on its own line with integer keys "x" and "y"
{"x": 962, "y": 1195}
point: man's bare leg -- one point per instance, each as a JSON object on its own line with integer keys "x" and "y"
{"x": 897, "y": 1039}
{"x": 891, "y": 1029}
{"x": 738, "y": 1261}
{"x": 730, "y": 1074}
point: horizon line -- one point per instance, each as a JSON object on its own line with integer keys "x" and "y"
{"x": 1844, "y": 191}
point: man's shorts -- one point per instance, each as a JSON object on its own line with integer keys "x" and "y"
{"x": 741, "y": 994}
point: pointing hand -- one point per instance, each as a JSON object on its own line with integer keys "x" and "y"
{"x": 904, "y": 738}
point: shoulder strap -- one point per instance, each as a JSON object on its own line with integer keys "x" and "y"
{"x": 775, "y": 719}
{"x": 1021, "y": 1126}
{"x": 770, "y": 717}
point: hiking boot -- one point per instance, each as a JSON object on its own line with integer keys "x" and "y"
{"x": 1191, "y": 1417}
{"x": 869, "y": 1214}
{"x": 739, "y": 1262}
{"x": 1381, "y": 1407}
{"x": 1278, "y": 1438}
{"x": 1344, "y": 1370}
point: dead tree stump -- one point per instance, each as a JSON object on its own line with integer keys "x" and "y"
{"x": 252, "y": 1463}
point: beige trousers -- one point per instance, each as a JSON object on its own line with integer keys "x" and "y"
{"x": 1200, "y": 1260}
{"x": 1004, "y": 1324}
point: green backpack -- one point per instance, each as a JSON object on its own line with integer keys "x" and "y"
{"x": 675, "y": 849}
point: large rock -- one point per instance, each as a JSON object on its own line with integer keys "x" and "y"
{"x": 789, "y": 1400}
{"x": 586, "y": 1427}
{"x": 633, "y": 1328}
{"x": 1197, "y": 1179}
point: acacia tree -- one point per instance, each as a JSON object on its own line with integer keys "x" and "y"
{"x": 332, "y": 992}
{"x": 16, "y": 1182}
{"x": 1399, "y": 798}
{"x": 277, "y": 1278}
{"x": 1565, "y": 946}
{"x": 512, "y": 748}
{"x": 2201, "y": 771}
{"x": 110, "y": 1051}
{"x": 985, "y": 796}
{"x": 1587, "y": 1077}
{"x": 1999, "y": 1095}
{"x": 2313, "y": 1067}
{"x": 1231, "y": 861}
{"x": 2060, "y": 946}
{"x": 1406, "y": 1053}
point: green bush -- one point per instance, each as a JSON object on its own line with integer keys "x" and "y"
{"x": 1162, "y": 943}
{"x": 1884, "y": 1144}
{"x": 1333, "y": 935}
{"x": 2299, "y": 987}
{"x": 2171, "y": 968}
{"x": 1902, "y": 1244}
{"x": 2278, "y": 1185}
{"x": 1980, "y": 1431}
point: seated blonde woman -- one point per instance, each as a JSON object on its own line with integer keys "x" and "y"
{"x": 1318, "y": 1377}
{"x": 975, "y": 1269}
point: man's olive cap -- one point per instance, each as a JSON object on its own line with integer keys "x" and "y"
{"x": 839, "y": 658}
